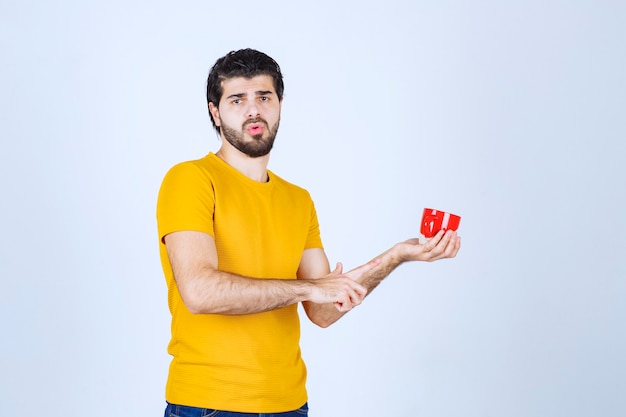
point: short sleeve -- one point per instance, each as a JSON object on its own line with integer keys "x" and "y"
{"x": 314, "y": 239}
{"x": 186, "y": 200}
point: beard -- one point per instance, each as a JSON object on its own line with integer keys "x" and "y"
{"x": 258, "y": 146}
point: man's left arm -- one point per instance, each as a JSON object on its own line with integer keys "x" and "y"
{"x": 314, "y": 263}
{"x": 443, "y": 245}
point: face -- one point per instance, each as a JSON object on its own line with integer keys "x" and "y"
{"x": 248, "y": 114}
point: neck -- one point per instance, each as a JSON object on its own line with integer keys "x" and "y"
{"x": 253, "y": 168}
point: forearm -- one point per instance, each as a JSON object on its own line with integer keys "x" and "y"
{"x": 388, "y": 261}
{"x": 225, "y": 293}
{"x": 322, "y": 314}
{"x": 444, "y": 245}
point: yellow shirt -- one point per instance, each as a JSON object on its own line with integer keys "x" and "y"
{"x": 244, "y": 363}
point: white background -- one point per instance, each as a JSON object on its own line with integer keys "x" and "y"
{"x": 511, "y": 114}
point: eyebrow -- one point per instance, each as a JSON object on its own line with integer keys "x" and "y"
{"x": 257, "y": 93}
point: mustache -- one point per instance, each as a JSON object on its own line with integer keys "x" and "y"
{"x": 255, "y": 120}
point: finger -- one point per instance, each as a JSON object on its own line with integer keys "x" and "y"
{"x": 450, "y": 246}
{"x": 436, "y": 245}
{"x": 356, "y": 298}
{"x": 434, "y": 241}
{"x": 357, "y": 294}
{"x": 360, "y": 270}
{"x": 360, "y": 289}
{"x": 437, "y": 251}
{"x": 351, "y": 296}
{"x": 456, "y": 246}
{"x": 343, "y": 307}
{"x": 338, "y": 269}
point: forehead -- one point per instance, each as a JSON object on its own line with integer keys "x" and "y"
{"x": 242, "y": 85}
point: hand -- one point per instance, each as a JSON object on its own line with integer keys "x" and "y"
{"x": 442, "y": 246}
{"x": 341, "y": 289}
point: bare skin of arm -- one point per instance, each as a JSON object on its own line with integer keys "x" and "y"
{"x": 206, "y": 290}
{"x": 314, "y": 263}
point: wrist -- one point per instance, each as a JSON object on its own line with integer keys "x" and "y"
{"x": 396, "y": 254}
{"x": 305, "y": 289}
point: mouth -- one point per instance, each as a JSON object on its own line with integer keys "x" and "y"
{"x": 255, "y": 127}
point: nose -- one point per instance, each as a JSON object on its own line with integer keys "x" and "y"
{"x": 252, "y": 110}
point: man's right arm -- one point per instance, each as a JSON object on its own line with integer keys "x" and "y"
{"x": 206, "y": 290}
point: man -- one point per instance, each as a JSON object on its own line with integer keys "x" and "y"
{"x": 240, "y": 248}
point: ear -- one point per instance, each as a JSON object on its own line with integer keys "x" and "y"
{"x": 215, "y": 112}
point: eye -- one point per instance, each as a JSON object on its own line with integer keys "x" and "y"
{"x": 264, "y": 98}
{"x": 237, "y": 101}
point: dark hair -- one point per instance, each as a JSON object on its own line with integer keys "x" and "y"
{"x": 245, "y": 63}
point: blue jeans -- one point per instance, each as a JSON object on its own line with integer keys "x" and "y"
{"x": 173, "y": 410}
